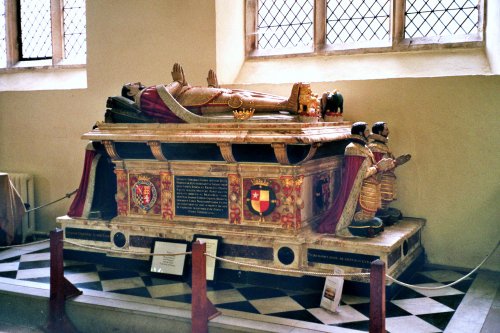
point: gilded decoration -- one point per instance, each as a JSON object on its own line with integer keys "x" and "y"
{"x": 291, "y": 200}
{"x": 121, "y": 192}
{"x": 234, "y": 199}
{"x": 167, "y": 194}
{"x": 299, "y": 201}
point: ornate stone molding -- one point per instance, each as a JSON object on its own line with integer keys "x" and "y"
{"x": 281, "y": 153}
{"x": 155, "y": 147}
{"x": 111, "y": 150}
{"x": 312, "y": 152}
{"x": 226, "y": 149}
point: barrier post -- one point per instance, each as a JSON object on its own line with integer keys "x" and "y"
{"x": 202, "y": 310}
{"x": 199, "y": 314}
{"x": 377, "y": 297}
{"x": 60, "y": 288}
{"x": 56, "y": 276}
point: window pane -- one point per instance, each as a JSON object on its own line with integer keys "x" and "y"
{"x": 36, "y": 36}
{"x": 357, "y": 20}
{"x": 284, "y": 24}
{"x": 3, "y": 46}
{"x": 75, "y": 36}
{"x": 428, "y": 18}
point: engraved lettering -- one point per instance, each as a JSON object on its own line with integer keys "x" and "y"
{"x": 201, "y": 196}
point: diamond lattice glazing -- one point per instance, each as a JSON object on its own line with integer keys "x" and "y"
{"x": 428, "y": 18}
{"x": 36, "y": 36}
{"x": 75, "y": 37}
{"x": 357, "y": 20}
{"x": 285, "y": 24}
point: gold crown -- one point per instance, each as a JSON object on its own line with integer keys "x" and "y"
{"x": 243, "y": 114}
{"x": 144, "y": 178}
{"x": 260, "y": 181}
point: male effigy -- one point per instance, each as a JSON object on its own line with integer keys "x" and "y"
{"x": 281, "y": 181}
{"x": 378, "y": 145}
{"x": 359, "y": 197}
{"x": 179, "y": 102}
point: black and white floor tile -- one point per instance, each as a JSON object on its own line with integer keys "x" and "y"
{"x": 410, "y": 311}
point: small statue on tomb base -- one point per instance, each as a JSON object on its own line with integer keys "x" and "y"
{"x": 332, "y": 106}
{"x": 358, "y": 200}
{"x": 378, "y": 145}
{"x": 309, "y": 104}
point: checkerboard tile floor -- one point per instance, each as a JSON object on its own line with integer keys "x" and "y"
{"x": 409, "y": 310}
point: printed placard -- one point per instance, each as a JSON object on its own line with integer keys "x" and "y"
{"x": 332, "y": 292}
{"x": 212, "y": 243}
{"x": 169, "y": 264}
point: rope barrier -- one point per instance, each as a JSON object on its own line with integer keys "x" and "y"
{"x": 68, "y": 195}
{"x": 284, "y": 270}
{"x": 449, "y": 284}
{"x": 23, "y": 245}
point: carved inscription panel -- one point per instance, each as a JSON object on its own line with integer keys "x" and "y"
{"x": 201, "y": 196}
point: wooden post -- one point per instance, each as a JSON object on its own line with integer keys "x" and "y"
{"x": 202, "y": 310}
{"x": 377, "y": 297}
{"x": 56, "y": 276}
{"x": 60, "y": 288}
{"x": 199, "y": 316}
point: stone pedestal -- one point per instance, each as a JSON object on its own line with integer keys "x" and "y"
{"x": 260, "y": 188}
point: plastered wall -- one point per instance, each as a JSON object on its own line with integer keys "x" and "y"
{"x": 127, "y": 40}
{"x": 448, "y": 124}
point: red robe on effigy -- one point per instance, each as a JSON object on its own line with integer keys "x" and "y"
{"x": 351, "y": 170}
{"x": 152, "y": 105}
{"x": 358, "y": 189}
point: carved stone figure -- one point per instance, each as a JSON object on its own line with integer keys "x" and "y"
{"x": 358, "y": 200}
{"x": 332, "y": 103}
{"x": 388, "y": 191}
{"x": 205, "y": 101}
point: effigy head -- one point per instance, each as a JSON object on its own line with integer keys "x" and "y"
{"x": 380, "y": 127}
{"x": 129, "y": 90}
{"x": 360, "y": 128}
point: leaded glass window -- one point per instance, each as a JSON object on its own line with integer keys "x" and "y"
{"x": 36, "y": 37}
{"x": 283, "y": 24}
{"x": 322, "y": 26}
{"x": 428, "y": 18}
{"x": 357, "y": 20}
{"x": 75, "y": 36}
{"x": 53, "y": 30}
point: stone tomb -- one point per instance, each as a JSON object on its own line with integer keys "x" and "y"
{"x": 260, "y": 188}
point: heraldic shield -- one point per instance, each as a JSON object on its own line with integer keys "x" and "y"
{"x": 261, "y": 199}
{"x": 144, "y": 194}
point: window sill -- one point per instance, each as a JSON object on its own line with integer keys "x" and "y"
{"x": 42, "y": 75}
{"x": 363, "y": 66}
{"x": 382, "y": 46}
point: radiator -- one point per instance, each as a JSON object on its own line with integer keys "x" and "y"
{"x": 25, "y": 186}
